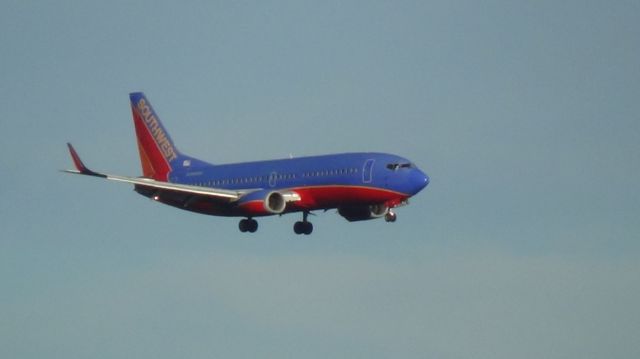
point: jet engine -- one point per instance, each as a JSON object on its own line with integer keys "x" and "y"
{"x": 274, "y": 202}
{"x": 362, "y": 213}
{"x": 265, "y": 202}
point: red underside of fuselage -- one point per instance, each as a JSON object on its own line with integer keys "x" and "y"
{"x": 312, "y": 198}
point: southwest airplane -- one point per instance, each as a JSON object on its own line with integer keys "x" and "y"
{"x": 360, "y": 185}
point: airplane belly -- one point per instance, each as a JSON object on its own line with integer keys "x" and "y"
{"x": 332, "y": 196}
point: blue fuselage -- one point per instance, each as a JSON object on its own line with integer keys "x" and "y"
{"x": 327, "y": 181}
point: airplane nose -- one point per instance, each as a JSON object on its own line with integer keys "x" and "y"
{"x": 420, "y": 180}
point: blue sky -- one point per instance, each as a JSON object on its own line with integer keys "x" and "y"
{"x": 524, "y": 114}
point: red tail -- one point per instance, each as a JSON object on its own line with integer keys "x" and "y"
{"x": 158, "y": 154}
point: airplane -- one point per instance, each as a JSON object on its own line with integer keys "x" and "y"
{"x": 361, "y": 186}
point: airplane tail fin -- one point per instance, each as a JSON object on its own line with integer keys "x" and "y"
{"x": 158, "y": 154}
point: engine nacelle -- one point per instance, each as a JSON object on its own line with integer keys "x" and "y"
{"x": 264, "y": 203}
{"x": 275, "y": 202}
{"x": 363, "y": 213}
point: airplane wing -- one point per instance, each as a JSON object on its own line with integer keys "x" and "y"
{"x": 222, "y": 195}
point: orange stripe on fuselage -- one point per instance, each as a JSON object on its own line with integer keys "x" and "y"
{"x": 331, "y": 196}
{"x": 312, "y": 198}
{"x": 327, "y": 196}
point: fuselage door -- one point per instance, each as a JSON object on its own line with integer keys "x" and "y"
{"x": 367, "y": 171}
{"x": 273, "y": 177}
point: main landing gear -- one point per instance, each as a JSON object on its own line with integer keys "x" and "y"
{"x": 304, "y": 227}
{"x": 248, "y": 225}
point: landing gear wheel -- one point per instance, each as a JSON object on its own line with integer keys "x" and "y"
{"x": 390, "y": 217}
{"x": 242, "y": 225}
{"x": 308, "y": 228}
{"x": 248, "y": 225}
{"x": 253, "y": 225}
{"x": 304, "y": 226}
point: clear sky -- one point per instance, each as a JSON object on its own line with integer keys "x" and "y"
{"x": 525, "y": 114}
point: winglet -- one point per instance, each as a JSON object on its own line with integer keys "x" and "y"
{"x": 80, "y": 167}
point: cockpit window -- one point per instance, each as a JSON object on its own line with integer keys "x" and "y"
{"x": 396, "y": 166}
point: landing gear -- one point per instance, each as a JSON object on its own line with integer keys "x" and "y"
{"x": 304, "y": 227}
{"x": 390, "y": 216}
{"x": 248, "y": 225}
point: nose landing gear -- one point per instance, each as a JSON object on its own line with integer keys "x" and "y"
{"x": 390, "y": 216}
{"x": 304, "y": 227}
